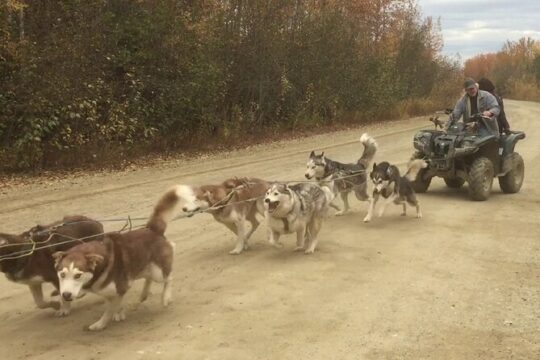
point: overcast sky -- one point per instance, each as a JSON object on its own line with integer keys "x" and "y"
{"x": 479, "y": 26}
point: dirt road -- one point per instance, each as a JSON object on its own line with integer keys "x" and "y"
{"x": 461, "y": 283}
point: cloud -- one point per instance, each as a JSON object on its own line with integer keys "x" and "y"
{"x": 480, "y": 26}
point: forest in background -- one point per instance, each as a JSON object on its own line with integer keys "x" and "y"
{"x": 515, "y": 69}
{"x": 86, "y": 82}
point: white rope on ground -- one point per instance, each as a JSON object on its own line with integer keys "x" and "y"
{"x": 23, "y": 253}
{"x": 219, "y": 205}
{"x": 227, "y": 167}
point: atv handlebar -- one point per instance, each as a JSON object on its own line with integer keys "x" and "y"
{"x": 473, "y": 119}
{"x": 479, "y": 117}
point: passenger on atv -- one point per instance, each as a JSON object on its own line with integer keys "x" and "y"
{"x": 475, "y": 102}
{"x": 471, "y": 151}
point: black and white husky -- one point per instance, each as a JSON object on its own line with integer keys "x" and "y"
{"x": 347, "y": 177}
{"x": 395, "y": 188}
{"x": 299, "y": 209}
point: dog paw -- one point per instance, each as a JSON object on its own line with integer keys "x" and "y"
{"x": 419, "y": 216}
{"x": 62, "y": 312}
{"x": 277, "y": 245}
{"x": 53, "y": 305}
{"x": 299, "y": 248}
{"x": 309, "y": 251}
{"x": 235, "y": 251}
{"x": 120, "y": 316}
{"x": 97, "y": 326}
{"x": 167, "y": 300}
{"x": 144, "y": 297}
{"x": 340, "y": 213}
{"x": 367, "y": 219}
{"x": 403, "y": 214}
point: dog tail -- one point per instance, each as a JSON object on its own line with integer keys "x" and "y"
{"x": 414, "y": 168}
{"x": 370, "y": 148}
{"x": 163, "y": 211}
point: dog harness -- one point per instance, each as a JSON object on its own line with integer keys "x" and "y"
{"x": 285, "y": 220}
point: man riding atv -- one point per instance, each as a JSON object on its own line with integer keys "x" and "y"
{"x": 476, "y": 101}
{"x": 471, "y": 151}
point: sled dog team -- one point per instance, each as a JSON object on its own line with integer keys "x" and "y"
{"x": 107, "y": 263}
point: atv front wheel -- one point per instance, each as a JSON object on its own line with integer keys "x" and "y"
{"x": 422, "y": 182}
{"x": 512, "y": 181}
{"x": 454, "y": 183}
{"x": 481, "y": 179}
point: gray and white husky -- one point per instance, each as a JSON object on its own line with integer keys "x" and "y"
{"x": 347, "y": 177}
{"x": 395, "y": 188}
{"x": 299, "y": 209}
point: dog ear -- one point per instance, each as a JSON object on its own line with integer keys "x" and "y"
{"x": 322, "y": 154}
{"x": 35, "y": 230}
{"x": 288, "y": 189}
{"x": 58, "y": 256}
{"x": 209, "y": 196}
{"x": 312, "y": 155}
{"x": 94, "y": 260}
{"x": 374, "y": 166}
{"x": 391, "y": 171}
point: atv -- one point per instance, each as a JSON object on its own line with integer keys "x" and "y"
{"x": 459, "y": 155}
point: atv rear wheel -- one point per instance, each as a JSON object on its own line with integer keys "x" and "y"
{"x": 454, "y": 183}
{"x": 512, "y": 181}
{"x": 422, "y": 182}
{"x": 481, "y": 179}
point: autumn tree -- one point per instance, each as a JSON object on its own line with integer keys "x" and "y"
{"x": 514, "y": 69}
{"x": 91, "y": 81}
